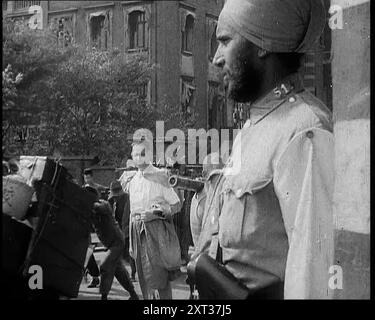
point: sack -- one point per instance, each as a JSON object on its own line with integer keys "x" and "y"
{"x": 170, "y": 251}
{"x": 17, "y": 196}
{"x": 213, "y": 281}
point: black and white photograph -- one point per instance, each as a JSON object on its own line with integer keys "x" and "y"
{"x": 205, "y": 151}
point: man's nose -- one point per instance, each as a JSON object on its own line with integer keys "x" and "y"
{"x": 218, "y": 59}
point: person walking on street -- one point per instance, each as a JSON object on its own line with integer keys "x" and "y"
{"x": 153, "y": 240}
{"x": 119, "y": 200}
{"x": 92, "y": 266}
{"x": 113, "y": 264}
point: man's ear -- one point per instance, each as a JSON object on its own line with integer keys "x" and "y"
{"x": 262, "y": 53}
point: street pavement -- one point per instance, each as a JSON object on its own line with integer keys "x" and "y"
{"x": 180, "y": 290}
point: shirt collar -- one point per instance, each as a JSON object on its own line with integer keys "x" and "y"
{"x": 150, "y": 168}
{"x": 214, "y": 173}
{"x": 286, "y": 88}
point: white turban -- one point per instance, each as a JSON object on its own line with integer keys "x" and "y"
{"x": 276, "y": 25}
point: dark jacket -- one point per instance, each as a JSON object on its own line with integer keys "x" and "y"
{"x": 122, "y": 211}
{"x": 106, "y": 227}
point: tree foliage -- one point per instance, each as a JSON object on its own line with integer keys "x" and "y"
{"x": 84, "y": 101}
{"x": 94, "y": 105}
{"x": 10, "y": 82}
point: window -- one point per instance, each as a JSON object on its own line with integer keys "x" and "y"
{"x": 241, "y": 112}
{"x": 187, "y": 34}
{"x": 137, "y": 30}
{"x": 99, "y": 30}
{"x": 140, "y": 90}
{"x": 97, "y": 24}
{"x": 63, "y": 28}
{"x": 213, "y": 44}
{"x": 25, "y": 4}
{"x": 309, "y": 73}
{"x": 187, "y": 95}
{"x": 216, "y": 107}
{"x": 5, "y": 5}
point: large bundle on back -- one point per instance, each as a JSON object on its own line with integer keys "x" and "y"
{"x": 59, "y": 215}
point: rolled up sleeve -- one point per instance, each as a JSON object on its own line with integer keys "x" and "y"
{"x": 172, "y": 199}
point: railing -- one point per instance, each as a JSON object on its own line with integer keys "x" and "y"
{"x": 18, "y": 5}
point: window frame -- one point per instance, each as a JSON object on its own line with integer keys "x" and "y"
{"x": 105, "y": 30}
{"x": 185, "y": 41}
{"x": 190, "y": 81}
{"x": 53, "y": 20}
{"x": 212, "y": 53}
{"x": 215, "y": 88}
{"x": 134, "y": 38}
{"x": 25, "y": 5}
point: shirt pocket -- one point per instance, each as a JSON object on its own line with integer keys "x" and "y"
{"x": 238, "y": 219}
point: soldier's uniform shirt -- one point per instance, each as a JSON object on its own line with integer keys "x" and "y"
{"x": 197, "y": 208}
{"x": 196, "y": 215}
{"x": 272, "y": 208}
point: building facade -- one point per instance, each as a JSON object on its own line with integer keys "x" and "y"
{"x": 179, "y": 38}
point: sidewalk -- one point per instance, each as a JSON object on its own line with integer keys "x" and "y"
{"x": 180, "y": 290}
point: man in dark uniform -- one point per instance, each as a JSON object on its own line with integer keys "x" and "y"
{"x": 88, "y": 176}
{"x": 119, "y": 200}
{"x": 92, "y": 266}
{"x": 110, "y": 235}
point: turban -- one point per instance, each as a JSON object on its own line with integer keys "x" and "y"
{"x": 276, "y": 25}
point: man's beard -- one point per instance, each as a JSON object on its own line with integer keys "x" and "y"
{"x": 244, "y": 85}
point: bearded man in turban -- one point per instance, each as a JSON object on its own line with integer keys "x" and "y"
{"x": 270, "y": 219}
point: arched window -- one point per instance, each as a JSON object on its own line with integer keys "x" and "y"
{"x": 213, "y": 44}
{"x": 187, "y": 34}
{"x": 187, "y": 94}
{"x": 100, "y": 29}
{"x": 97, "y": 25}
{"x": 137, "y": 30}
{"x": 63, "y": 26}
{"x": 216, "y": 106}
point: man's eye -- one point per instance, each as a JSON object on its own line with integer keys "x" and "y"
{"x": 224, "y": 40}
